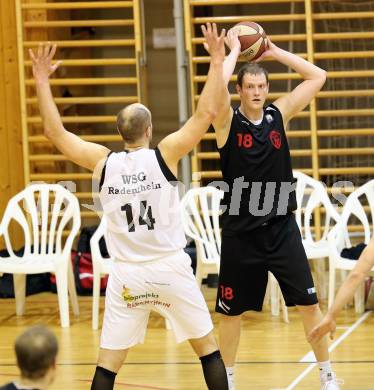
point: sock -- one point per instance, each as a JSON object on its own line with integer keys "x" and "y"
{"x": 325, "y": 370}
{"x": 103, "y": 379}
{"x": 214, "y": 371}
{"x": 230, "y": 377}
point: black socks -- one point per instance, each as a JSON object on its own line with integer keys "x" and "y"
{"x": 214, "y": 371}
{"x": 103, "y": 379}
{"x": 213, "y": 368}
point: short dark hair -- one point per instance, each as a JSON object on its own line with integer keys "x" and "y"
{"x": 133, "y": 121}
{"x": 251, "y": 68}
{"x": 36, "y": 351}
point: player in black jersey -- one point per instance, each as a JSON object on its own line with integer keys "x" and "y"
{"x": 259, "y": 232}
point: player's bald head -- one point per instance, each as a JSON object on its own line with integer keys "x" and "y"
{"x": 133, "y": 121}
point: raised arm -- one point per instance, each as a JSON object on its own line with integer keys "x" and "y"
{"x": 85, "y": 154}
{"x": 222, "y": 123}
{"x": 314, "y": 79}
{"x": 178, "y": 144}
{"x": 346, "y": 292}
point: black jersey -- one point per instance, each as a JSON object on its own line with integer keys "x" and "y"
{"x": 12, "y": 386}
{"x": 256, "y": 166}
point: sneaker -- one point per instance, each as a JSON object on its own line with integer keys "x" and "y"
{"x": 330, "y": 382}
{"x": 230, "y": 380}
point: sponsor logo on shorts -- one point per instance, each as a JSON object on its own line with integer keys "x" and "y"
{"x": 157, "y": 283}
{"x": 223, "y": 306}
{"x": 128, "y": 297}
{"x": 311, "y": 290}
{"x": 146, "y": 299}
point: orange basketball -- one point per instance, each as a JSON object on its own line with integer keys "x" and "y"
{"x": 252, "y": 38}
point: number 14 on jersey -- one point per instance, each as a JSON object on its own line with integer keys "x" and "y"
{"x": 145, "y": 216}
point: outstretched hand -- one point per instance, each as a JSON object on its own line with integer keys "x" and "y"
{"x": 325, "y": 326}
{"x": 269, "y": 51}
{"x": 42, "y": 66}
{"x": 214, "y": 43}
{"x": 232, "y": 39}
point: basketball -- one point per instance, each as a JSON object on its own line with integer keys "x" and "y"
{"x": 253, "y": 40}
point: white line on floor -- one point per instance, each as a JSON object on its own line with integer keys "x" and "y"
{"x": 309, "y": 357}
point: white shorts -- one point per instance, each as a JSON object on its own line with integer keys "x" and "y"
{"x": 167, "y": 286}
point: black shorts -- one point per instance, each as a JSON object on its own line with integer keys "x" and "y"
{"x": 246, "y": 259}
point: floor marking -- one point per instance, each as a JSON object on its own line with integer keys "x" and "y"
{"x": 309, "y": 357}
{"x": 128, "y": 385}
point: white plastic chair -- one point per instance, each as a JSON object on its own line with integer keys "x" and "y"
{"x": 339, "y": 238}
{"x": 44, "y": 249}
{"x": 276, "y": 298}
{"x": 310, "y": 194}
{"x": 101, "y": 266}
{"x": 200, "y": 219}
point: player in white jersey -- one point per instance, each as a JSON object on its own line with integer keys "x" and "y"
{"x": 141, "y": 204}
{"x": 140, "y": 198}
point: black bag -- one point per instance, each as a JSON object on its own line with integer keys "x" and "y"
{"x": 353, "y": 253}
{"x": 35, "y": 283}
{"x": 84, "y": 241}
{"x": 190, "y": 249}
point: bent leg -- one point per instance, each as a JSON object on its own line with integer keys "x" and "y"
{"x": 229, "y": 337}
{"x": 109, "y": 363}
{"x": 213, "y": 367}
{"x": 311, "y": 316}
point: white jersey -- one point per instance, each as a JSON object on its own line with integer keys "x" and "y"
{"x": 142, "y": 207}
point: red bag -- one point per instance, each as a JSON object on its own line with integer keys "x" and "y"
{"x": 83, "y": 274}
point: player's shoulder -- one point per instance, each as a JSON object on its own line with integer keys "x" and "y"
{"x": 236, "y": 114}
{"x": 236, "y": 111}
{"x": 113, "y": 157}
{"x": 145, "y": 157}
{"x": 272, "y": 113}
{"x": 148, "y": 154}
{"x": 271, "y": 108}
{"x": 142, "y": 152}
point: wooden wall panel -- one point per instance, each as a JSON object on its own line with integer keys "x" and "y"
{"x": 100, "y": 45}
{"x": 331, "y": 140}
{"x": 11, "y": 161}
{"x": 162, "y": 75}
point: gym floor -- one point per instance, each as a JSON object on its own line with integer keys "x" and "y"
{"x": 272, "y": 354}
